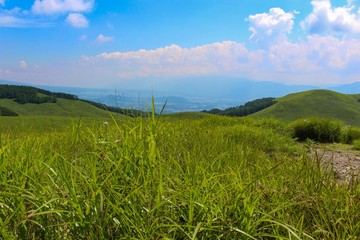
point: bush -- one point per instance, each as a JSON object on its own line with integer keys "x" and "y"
{"x": 349, "y": 134}
{"x": 318, "y": 129}
{"x": 356, "y": 144}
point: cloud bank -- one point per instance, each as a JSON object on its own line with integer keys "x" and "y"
{"x": 283, "y": 61}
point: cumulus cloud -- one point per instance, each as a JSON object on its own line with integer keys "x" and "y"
{"x": 328, "y": 19}
{"x": 103, "y": 39}
{"x": 174, "y": 60}
{"x": 49, "y": 7}
{"x": 23, "y": 64}
{"x": 77, "y": 20}
{"x": 315, "y": 60}
{"x": 271, "y": 26}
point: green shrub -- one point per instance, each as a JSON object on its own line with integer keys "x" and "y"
{"x": 356, "y": 144}
{"x": 349, "y": 134}
{"x": 318, "y": 129}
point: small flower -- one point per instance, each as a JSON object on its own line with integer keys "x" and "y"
{"x": 105, "y": 124}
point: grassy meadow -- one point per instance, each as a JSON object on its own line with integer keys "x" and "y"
{"x": 180, "y": 176}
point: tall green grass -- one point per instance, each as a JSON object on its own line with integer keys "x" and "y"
{"x": 177, "y": 177}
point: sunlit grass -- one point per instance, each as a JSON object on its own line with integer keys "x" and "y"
{"x": 177, "y": 177}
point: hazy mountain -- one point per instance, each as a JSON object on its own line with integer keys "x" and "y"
{"x": 352, "y": 88}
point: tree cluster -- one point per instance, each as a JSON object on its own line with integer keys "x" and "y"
{"x": 247, "y": 109}
{"x": 27, "y": 94}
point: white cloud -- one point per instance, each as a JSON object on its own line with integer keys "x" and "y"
{"x": 272, "y": 26}
{"x": 11, "y": 21}
{"x": 103, "y": 39}
{"x": 316, "y": 60}
{"x": 174, "y": 60}
{"x": 328, "y": 19}
{"x": 77, "y": 20}
{"x": 23, "y": 64}
{"x": 49, "y": 7}
{"x": 2, "y": 2}
{"x": 83, "y": 37}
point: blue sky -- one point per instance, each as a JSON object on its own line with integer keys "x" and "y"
{"x": 102, "y": 43}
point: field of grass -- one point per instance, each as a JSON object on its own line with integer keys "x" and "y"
{"x": 182, "y": 176}
{"x": 320, "y": 103}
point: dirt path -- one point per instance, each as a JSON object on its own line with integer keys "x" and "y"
{"x": 346, "y": 164}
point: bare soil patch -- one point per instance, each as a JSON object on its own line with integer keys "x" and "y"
{"x": 344, "y": 163}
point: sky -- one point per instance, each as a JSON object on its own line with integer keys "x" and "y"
{"x": 104, "y": 43}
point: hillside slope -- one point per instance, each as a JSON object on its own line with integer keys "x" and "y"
{"x": 321, "y": 103}
{"x": 31, "y": 101}
{"x": 62, "y": 107}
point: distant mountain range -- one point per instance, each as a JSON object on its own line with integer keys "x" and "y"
{"x": 192, "y": 94}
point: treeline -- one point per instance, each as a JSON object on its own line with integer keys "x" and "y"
{"x": 124, "y": 111}
{"x": 246, "y": 109}
{"x": 27, "y": 94}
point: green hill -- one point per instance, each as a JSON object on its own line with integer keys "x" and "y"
{"x": 320, "y": 103}
{"x": 62, "y": 107}
{"x": 31, "y": 101}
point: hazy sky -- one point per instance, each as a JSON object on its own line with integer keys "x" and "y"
{"x": 101, "y": 43}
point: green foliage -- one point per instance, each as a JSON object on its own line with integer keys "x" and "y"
{"x": 247, "y": 109}
{"x": 318, "y": 129}
{"x": 6, "y": 112}
{"x": 356, "y": 144}
{"x": 182, "y": 176}
{"x": 349, "y": 134}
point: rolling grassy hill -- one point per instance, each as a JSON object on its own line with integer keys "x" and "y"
{"x": 62, "y": 107}
{"x": 30, "y": 101}
{"x": 320, "y": 103}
